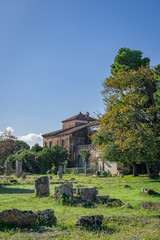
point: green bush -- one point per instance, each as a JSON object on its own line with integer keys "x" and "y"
{"x": 105, "y": 174}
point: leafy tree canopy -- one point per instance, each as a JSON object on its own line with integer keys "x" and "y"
{"x": 9, "y": 145}
{"x": 37, "y": 148}
{"x": 128, "y": 59}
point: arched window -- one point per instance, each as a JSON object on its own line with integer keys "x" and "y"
{"x": 89, "y": 162}
{"x": 80, "y": 161}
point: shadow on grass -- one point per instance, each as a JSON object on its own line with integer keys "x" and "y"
{"x": 14, "y": 229}
{"x": 155, "y": 194}
{"x": 153, "y": 180}
{"x": 4, "y": 190}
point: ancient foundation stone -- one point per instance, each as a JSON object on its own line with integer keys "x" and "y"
{"x": 18, "y": 168}
{"x": 102, "y": 198}
{"x": 150, "y": 205}
{"x": 87, "y": 193}
{"x": 64, "y": 190}
{"x": 92, "y": 221}
{"x": 7, "y": 168}
{"x": 113, "y": 202}
{"x": 60, "y": 172}
{"x": 42, "y": 187}
{"x": 46, "y": 217}
{"x": 15, "y": 217}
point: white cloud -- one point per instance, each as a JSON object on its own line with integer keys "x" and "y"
{"x": 31, "y": 139}
{"x": 10, "y": 129}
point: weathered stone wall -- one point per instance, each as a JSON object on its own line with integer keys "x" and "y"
{"x": 58, "y": 141}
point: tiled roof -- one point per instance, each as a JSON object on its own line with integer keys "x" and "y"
{"x": 67, "y": 131}
{"x": 55, "y": 132}
{"x": 80, "y": 117}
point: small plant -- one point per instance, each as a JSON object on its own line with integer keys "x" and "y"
{"x": 53, "y": 170}
{"x": 64, "y": 169}
{"x": 98, "y": 173}
{"x": 104, "y": 173}
{"x": 64, "y": 199}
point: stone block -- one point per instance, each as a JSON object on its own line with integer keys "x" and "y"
{"x": 60, "y": 172}
{"x": 92, "y": 221}
{"x": 15, "y": 217}
{"x": 42, "y": 187}
{"x": 102, "y": 198}
{"x": 7, "y": 168}
{"x": 46, "y": 217}
{"x": 87, "y": 193}
{"x": 64, "y": 189}
{"x": 18, "y": 168}
{"x": 150, "y": 205}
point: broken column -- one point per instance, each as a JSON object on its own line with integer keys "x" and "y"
{"x": 18, "y": 168}
{"x": 7, "y": 168}
{"x": 42, "y": 187}
{"x": 64, "y": 191}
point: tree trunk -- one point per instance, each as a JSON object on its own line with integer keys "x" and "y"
{"x": 153, "y": 169}
{"x": 135, "y": 171}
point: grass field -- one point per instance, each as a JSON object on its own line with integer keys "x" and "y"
{"x": 20, "y": 195}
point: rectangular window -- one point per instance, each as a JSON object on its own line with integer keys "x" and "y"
{"x": 45, "y": 144}
{"x": 50, "y": 144}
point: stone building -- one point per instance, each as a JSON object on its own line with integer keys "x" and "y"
{"x": 76, "y": 131}
{"x": 75, "y": 135}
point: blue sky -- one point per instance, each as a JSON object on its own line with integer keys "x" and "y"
{"x": 54, "y": 55}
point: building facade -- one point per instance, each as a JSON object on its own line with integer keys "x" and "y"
{"x": 75, "y": 135}
{"x": 76, "y": 131}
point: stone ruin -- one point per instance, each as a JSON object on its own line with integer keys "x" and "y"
{"x": 7, "y": 168}
{"x": 64, "y": 190}
{"x": 18, "y": 168}
{"x": 84, "y": 196}
{"x": 60, "y": 172}
{"x": 17, "y": 218}
{"x": 92, "y": 220}
{"x": 66, "y": 194}
{"x": 42, "y": 187}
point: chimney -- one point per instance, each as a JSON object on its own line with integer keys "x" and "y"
{"x": 87, "y": 115}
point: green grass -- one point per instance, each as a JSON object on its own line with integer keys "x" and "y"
{"x": 20, "y": 195}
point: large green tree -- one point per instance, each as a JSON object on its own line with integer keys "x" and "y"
{"x": 129, "y": 130}
{"x": 10, "y": 145}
